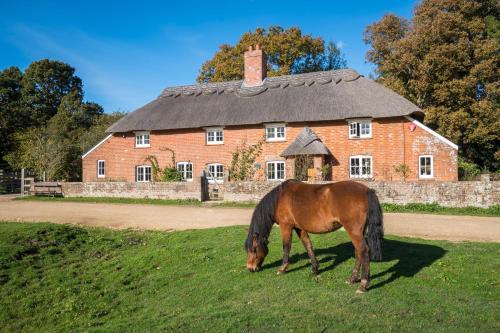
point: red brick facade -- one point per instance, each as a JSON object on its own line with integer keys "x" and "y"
{"x": 394, "y": 141}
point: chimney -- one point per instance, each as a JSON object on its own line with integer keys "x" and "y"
{"x": 255, "y": 66}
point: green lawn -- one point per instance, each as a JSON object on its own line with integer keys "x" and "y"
{"x": 70, "y": 279}
{"x": 388, "y": 208}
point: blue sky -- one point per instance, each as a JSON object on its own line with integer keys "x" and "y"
{"x": 126, "y": 53}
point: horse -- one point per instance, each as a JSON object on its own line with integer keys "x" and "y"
{"x": 318, "y": 209}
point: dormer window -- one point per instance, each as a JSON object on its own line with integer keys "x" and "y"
{"x": 360, "y": 128}
{"x": 142, "y": 139}
{"x": 275, "y": 132}
{"x": 215, "y": 135}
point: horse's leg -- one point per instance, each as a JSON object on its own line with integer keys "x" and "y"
{"x": 362, "y": 259}
{"x": 286, "y": 235}
{"x": 304, "y": 237}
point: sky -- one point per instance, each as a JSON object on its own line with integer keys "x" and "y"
{"x": 127, "y": 52}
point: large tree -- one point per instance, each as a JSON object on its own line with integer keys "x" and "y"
{"x": 12, "y": 115}
{"x": 446, "y": 60}
{"x": 44, "y": 122}
{"x": 44, "y": 85}
{"x": 288, "y": 52}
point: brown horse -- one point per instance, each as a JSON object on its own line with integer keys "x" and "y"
{"x": 318, "y": 209}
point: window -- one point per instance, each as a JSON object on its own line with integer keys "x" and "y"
{"x": 215, "y": 136}
{"x": 276, "y": 170}
{"x": 360, "y": 167}
{"x": 215, "y": 173}
{"x": 186, "y": 170}
{"x": 361, "y": 128}
{"x": 142, "y": 139}
{"x": 425, "y": 167}
{"x": 275, "y": 132}
{"x": 101, "y": 169}
{"x": 143, "y": 173}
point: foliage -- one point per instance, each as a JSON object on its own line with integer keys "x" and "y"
{"x": 288, "y": 52}
{"x": 403, "y": 170}
{"x": 44, "y": 85}
{"x": 302, "y": 164}
{"x": 467, "y": 170}
{"x": 57, "y": 278}
{"x": 44, "y": 121}
{"x": 243, "y": 160}
{"x": 325, "y": 170}
{"x": 445, "y": 60}
{"x": 167, "y": 174}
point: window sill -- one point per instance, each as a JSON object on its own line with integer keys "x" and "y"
{"x": 214, "y": 143}
{"x": 148, "y": 146}
{"x": 361, "y": 138}
{"x": 275, "y": 140}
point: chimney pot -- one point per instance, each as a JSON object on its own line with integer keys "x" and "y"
{"x": 255, "y": 66}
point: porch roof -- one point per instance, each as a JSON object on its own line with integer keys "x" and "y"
{"x": 306, "y": 143}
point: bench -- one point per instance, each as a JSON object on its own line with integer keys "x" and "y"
{"x": 47, "y": 188}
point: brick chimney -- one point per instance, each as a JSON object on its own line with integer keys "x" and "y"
{"x": 255, "y": 66}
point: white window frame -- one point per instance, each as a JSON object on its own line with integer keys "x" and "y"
{"x": 184, "y": 171}
{"x": 219, "y": 179}
{"x": 357, "y": 125}
{"x": 217, "y": 140}
{"x": 141, "y": 138}
{"x": 103, "y": 175}
{"x": 143, "y": 167}
{"x": 275, "y": 165}
{"x": 420, "y": 167}
{"x": 273, "y": 128}
{"x": 360, "y": 166}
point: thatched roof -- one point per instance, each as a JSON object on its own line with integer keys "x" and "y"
{"x": 306, "y": 143}
{"x": 318, "y": 96}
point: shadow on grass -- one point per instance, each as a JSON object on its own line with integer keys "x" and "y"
{"x": 411, "y": 258}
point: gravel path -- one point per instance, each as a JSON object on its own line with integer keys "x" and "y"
{"x": 153, "y": 217}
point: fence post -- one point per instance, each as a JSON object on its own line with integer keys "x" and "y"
{"x": 22, "y": 182}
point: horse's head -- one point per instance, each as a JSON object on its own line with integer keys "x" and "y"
{"x": 256, "y": 252}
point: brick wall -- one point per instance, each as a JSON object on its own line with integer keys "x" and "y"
{"x": 392, "y": 143}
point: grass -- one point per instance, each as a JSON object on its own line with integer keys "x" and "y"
{"x": 422, "y": 208}
{"x": 70, "y": 279}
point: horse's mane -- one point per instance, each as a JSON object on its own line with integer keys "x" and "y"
{"x": 263, "y": 217}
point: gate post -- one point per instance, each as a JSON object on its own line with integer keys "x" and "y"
{"x": 22, "y": 182}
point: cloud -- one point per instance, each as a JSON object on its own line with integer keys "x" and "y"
{"x": 340, "y": 44}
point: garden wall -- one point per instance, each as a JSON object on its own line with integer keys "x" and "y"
{"x": 171, "y": 190}
{"x": 451, "y": 194}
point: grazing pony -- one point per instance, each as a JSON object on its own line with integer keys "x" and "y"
{"x": 318, "y": 209}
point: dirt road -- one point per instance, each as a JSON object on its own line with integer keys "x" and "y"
{"x": 154, "y": 217}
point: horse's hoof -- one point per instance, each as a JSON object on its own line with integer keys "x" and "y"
{"x": 280, "y": 272}
{"x": 360, "y": 291}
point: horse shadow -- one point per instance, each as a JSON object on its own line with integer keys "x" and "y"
{"x": 411, "y": 258}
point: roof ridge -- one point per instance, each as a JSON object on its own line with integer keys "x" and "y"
{"x": 283, "y": 81}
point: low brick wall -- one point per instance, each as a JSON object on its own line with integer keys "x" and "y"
{"x": 450, "y": 194}
{"x": 171, "y": 190}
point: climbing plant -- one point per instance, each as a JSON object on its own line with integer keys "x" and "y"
{"x": 167, "y": 174}
{"x": 243, "y": 160}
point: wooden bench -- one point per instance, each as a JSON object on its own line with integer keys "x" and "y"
{"x": 47, "y": 188}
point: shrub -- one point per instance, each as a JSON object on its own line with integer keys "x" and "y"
{"x": 467, "y": 170}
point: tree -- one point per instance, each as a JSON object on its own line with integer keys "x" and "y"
{"x": 288, "y": 52}
{"x": 12, "y": 115}
{"x": 44, "y": 85}
{"x": 446, "y": 61}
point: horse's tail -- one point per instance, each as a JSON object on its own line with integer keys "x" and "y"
{"x": 263, "y": 217}
{"x": 374, "y": 229}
